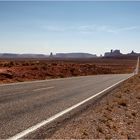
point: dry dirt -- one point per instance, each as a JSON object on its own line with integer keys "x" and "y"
{"x": 116, "y": 116}
{"x": 28, "y": 70}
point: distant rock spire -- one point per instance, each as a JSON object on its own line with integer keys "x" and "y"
{"x": 132, "y": 52}
{"x": 51, "y": 54}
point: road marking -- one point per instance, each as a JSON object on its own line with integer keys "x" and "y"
{"x": 49, "y": 120}
{"x": 137, "y": 67}
{"x": 136, "y": 71}
{"x": 43, "y": 88}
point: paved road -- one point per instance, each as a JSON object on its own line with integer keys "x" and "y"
{"x": 26, "y": 104}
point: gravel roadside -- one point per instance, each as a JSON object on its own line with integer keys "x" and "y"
{"x": 116, "y": 116}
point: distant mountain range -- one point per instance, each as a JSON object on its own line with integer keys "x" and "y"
{"x": 112, "y": 53}
{"x": 74, "y": 55}
{"x": 12, "y": 55}
{"x": 58, "y": 55}
{"x": 117, "y": 53}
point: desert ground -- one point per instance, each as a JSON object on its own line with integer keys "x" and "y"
{"x": 116, "y": 116}
{"x": 31, "y": 69}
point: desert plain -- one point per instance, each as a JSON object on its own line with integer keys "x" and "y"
{"x": 115, "y": 116}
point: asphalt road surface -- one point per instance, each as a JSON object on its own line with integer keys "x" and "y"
{"x": 26, "y": 104}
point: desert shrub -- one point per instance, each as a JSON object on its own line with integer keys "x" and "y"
{"x": 6, "y": 75}
{"x": 61, "y": 75}
{"x": 35, "y": 68}
{"x": 8, "y": 64}
{"x": 44, "y": 67}
{"x": 72, "y": 70}
{"x": 26, "y": 64}
{"x": 133, "y": 114}
{"x": 54, "y": 64}
{"x": 138, "y": 97}
{"x": 11, "y": 63}
{"x": 118, "y": 95}
{"x": 122, "y": 103}
{"x": 99, "y": 129}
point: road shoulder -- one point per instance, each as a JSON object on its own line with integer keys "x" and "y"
{"x": 116, "y": 115}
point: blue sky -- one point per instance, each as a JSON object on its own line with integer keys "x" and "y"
{"x": 93, "y": 27}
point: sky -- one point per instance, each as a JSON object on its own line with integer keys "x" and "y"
{"x": 69, "y": 26}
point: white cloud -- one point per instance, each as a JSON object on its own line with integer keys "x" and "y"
{"x": 90, "y": 28}
{"x": 129, "y": 28}
{"x": 53, "y": 28}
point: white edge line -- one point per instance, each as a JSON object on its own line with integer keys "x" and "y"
{"x": 54, "y": 117}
